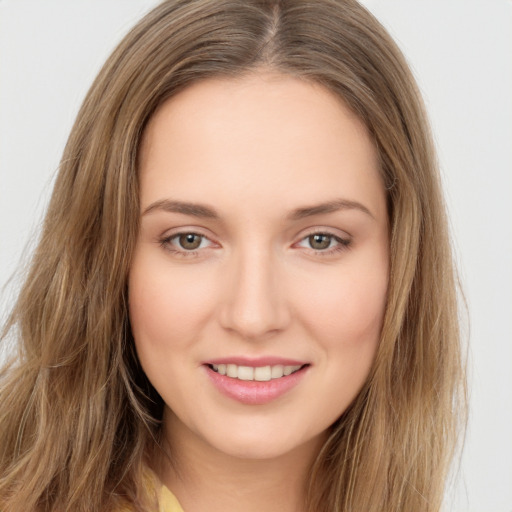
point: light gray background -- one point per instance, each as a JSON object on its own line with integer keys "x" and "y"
{"x": 461, "y": 53}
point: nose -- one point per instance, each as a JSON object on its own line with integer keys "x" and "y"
{"x": 254, "y": 305}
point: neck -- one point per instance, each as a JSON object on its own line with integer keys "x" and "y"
{"x": 204, "y": 478}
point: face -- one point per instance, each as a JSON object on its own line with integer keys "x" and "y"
{"x": 259, "y": 279}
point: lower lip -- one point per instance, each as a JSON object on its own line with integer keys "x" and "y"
{"x": 252, "y": 392}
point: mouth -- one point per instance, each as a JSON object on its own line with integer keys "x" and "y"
{"x": 256, "y": 373}
{"x": 256, "y": 384}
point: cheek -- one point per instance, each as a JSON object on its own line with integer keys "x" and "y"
{"x": 166, "y": 308}
{"x": 348, "y": 310}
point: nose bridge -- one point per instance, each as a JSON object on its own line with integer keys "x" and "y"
{"x": 255, "y": 304}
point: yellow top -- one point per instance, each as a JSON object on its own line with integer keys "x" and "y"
{"x": 168, "y": 502}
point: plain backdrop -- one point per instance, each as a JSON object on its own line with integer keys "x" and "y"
{"x": 461, "y": 54}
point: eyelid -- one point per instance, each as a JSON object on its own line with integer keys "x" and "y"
{"x": 186, "y": 230}
{"x": 320, "y": 230}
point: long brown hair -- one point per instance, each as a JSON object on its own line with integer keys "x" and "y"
{"x": 77, "y": 414}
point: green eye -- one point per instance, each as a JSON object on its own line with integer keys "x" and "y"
{"x": 319, "y": 241}
{"x": 190, "y": 241}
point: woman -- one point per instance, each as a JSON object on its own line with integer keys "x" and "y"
{"x": 244, "y": 291}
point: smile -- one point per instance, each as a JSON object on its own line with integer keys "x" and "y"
{"x": 256, "y": 382}
{"x": 258, "y": 373}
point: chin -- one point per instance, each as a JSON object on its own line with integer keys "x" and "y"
{"x": 264, "y": 444}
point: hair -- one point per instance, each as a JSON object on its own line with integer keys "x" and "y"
{"x": 77, "y": 414}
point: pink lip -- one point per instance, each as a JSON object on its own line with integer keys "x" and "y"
{"x": 254, "y": 392}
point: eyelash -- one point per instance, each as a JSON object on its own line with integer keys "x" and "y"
{"x": 342, "y": 244}
{"x": 166, "y": 244}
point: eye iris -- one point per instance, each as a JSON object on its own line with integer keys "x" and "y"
{"x": 319, "y": 241}
{"x": 190, "y": 241}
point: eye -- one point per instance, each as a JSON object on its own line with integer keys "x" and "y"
{"x": 185, "y": 244}
{"x": 320, "y": 241}
{"x": 325, "y": 243}
{"x": 189, "y": 241}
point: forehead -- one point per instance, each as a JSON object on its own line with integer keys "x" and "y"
{"x": 259, "y": 136}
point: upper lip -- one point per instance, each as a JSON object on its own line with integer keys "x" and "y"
{"x": 256, "y": 361}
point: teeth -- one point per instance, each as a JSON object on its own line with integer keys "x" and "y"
{"x": 287, "y": 370}
{"x": 232, "y": 370}
{"x": 245, "y": 373}
{"x": 259, "y": 373}
{"x": 277, "y": 371}
{"x": 262, "y": 373}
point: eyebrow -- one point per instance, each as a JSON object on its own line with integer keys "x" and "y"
{"x": 193, "y": 209}
{"x": 328, "y": 207}
{"x": 207, "y": 212}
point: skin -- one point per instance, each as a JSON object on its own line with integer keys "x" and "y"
{"x": 255, "y": 149}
